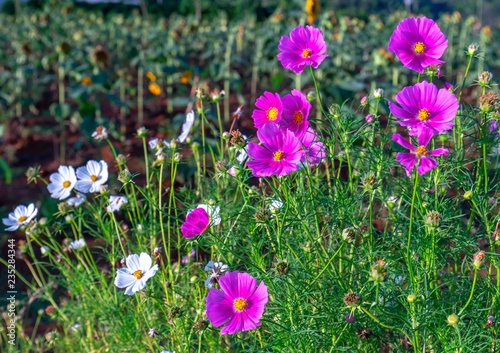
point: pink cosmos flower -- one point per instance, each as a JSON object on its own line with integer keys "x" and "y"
{"x": 424, "y": 107}
{"x": 305, "y": 46}
{"x": 278, "y": 155}
{"x": 418, "y": 43}
{"x": 196, "y": 223}
{"x": 315, "y": 150}
{"x": 240, "y": 303}
{"x": 420, "y": 154}
{"x": 269, "y": 109}
{"x": 295, "y": 113}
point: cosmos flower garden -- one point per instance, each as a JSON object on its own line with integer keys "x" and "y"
{"x": 367, "y": 226}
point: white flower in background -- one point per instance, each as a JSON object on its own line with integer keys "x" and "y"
{"x": 134, "y": 276}
{"x": 100, "y": 133}
{"x": 167, "y": 352}
{"x": 77, "y": 244}
{"x": 77, "y": 200}
{"x": 242, "y": 156}
{"x": 212, "y": 211}
{"x": 275, "y": 206}
{"x": 62, "y": 182}
{"x": 75, "y": 327}
{"x": 44, "y": 249}
{"x": 91, "y": 176}
{"x": 216, "y": 270}
{"x": 22, "y": 215}
{"x": 186, "y": 127}
{"x": 115, "y": 203}
{"x": 158, "y": 144}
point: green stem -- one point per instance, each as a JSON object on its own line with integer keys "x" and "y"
{"x": 471, "y": 293}
{"x": 411, "y": 224}
{"x": 317, "y": 92}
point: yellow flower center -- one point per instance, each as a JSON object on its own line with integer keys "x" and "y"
{"x": 22, "y": 219}
{"x": 93, "y": 178}
{"x": 306, "y": 53}
{"x": 278, "y": 156}
{"x": 297, "y": 117}
{"x": 422, "y": 151}
{"x": 66, "y": 184}
{"x": 138, "y": 274}
{"x": 240, "y": 304}
{"x": 272, "y": 113}
{"x": 423, "y": 114}
{"x": 419, "y": 48}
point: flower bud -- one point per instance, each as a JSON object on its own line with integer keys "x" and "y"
{"x": 121, "y": 159}
{"x": 173, "y": 144}
{"x": 391, "y": 201}
{"x": 226, "y": 135}
{"x": 364, "y": 101}
{"x": 237, "y": 139}
{"x": 488, "y": 102}
{"x": 352, "y": 299}
{"x": 411, "y": 298}
{"x": 193, "y": 279}
{"x": 485, "y": 78}
{"x": 195, "y": 146}
{"x": 211, "y": 202}
{"x": 433, "y": 219}
{"x": 443, "y": 138}
{"x": 370, "y": 181}
{"x": 221, "y": 166}
{"x": 378, "y": 93}
{"x": 124, "y": 176}
{"x": 379, "y": 271}
{"x": 448, "y": 86}
{"x": 177, "y": 157}
{"x": 334, "y": 110}
{"x": 432, "y": 70}
{"x": 156, "y": 251}
{"x": 142, "y": 132}
{"x": 350, "y": 318}
{"x": 369, "y": 118}
{"x": 32, "y": 174}
{"x": 311, "y": 96}
{"x": 468, "y": 195}
{"x": 199, "y": 93}
{"x": 103, "y": 189}
{"x": 472, "y": 49}
{"x": 479, "y": 259}
{"x": 453, "y": 319}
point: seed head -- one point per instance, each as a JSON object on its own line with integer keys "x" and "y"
{"x": 485, "y": 78}
{"x": 200, "y": 325}
{"x": 365, "y": 334}
{"x": 349, "y": 234}
{"x": 433, "y": 219}
{"x": 63, "y": 48}
{"x": 221, "y": 166}
{"x": 352, "y": 299}
{"x": 432, "y": 70}
{"x": 100, "y": 55}
{"x": 175, "y": 312}
{"x": 32, "y": 174}
{"x": 50, "y": 310}
{"x": 281, "y": 267}
{"x": 262, "y": 215}
{"x": 488, "y": 102}
{"x": 237, "y": 139}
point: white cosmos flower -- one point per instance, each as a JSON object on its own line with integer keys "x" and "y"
{"x": 100, "y": 133}
{"x": 62, "y": 182}
{"x": 212, "y": 211}
{"x": 77, "y": 200}
{"x": 186, "y": 127}
{"x": 21, "y": 215}
{"x": 91, "y": 176}
{"x": 77, "y": 244}
{"x": 115, "y": 203}
{"x": 275, "y": 206}
{"x": 134, "y": 276}
{"x": 158, "y": 144}
{"x": 216, "y": 270}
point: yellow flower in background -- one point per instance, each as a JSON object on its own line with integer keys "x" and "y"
{"x": 487, "y": 30}
{"x": 312, "y": 9}
{"x": 87, "y": 81}
{"x": 186, "y": 75}
{"x": 151, "y": 76}
{"x": 154, "y": 88}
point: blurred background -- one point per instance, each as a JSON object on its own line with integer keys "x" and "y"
{"x": 67, "y": 67}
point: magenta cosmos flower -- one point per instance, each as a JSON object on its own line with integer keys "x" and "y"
{"x": 279, "y": 154}
{"x": 197, "y": 222}
{"x": 315, "y": 150}
{"x": 240, "y": 303}
{"x": 418, "y": 43}
{"x": 305, "y": 46}
{"x": 423, "y": 106}
{"x": 269, "y": 109}
{"x": 420, "y": 154}
{"x": 295, "y": 113}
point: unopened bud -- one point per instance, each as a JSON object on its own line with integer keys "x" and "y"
{"x": 453, "y": 319}
{"x": 479, "y": 259}
{"x": 472, "y": 49}
{"x": 364, "y": 100}
{"x": 378, "y": 93}
{"x": 433, "y": 219}
{"x": 142, "y": 132}
{"x": 370, "y": 118}
{"x": 379, "y": 271}
{"x": 411, "y": 298}
{"x": 468, "y": 195}
{"x": 177, "y": 157}
{"x": 485, "y": 78}
{"x": 124, "y": 176}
